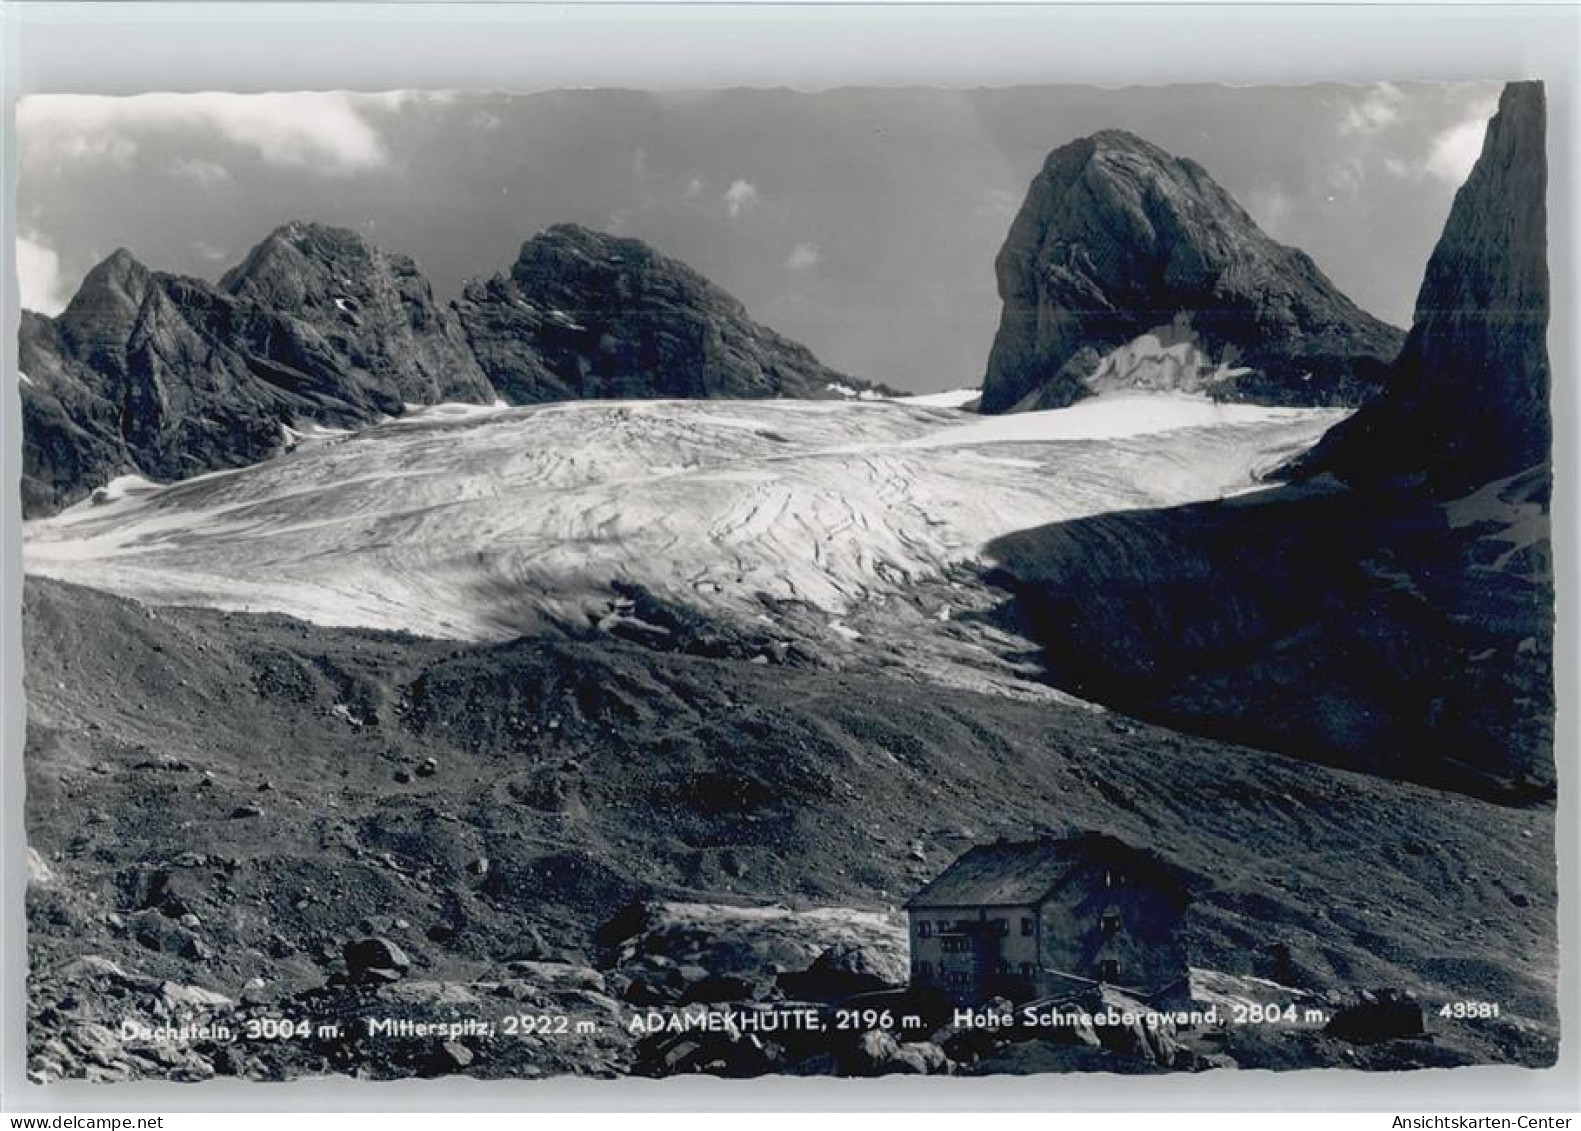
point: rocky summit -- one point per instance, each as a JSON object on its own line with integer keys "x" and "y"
{"x": 163, "y": 376}
{"x": 374, "y": 307}
{"x": 1467, "y": 400}
{"x": 160, "y": 375}
{"x": 1419, "y": 643}
{"x": 1129, "y": 268}
{"x": 583, "y": 314}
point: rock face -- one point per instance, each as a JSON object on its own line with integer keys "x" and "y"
{"x": 168, "y": 377}
{"x": 1127, "y": 267}
{"x": 72, "y": 438}
{"x": 585, "y": 315}
{"x": 1387, "y": 635}
{"x": 373, "y": 307}
{"x": 165, "y": 376}
{"x": 1467, "y": 400}
{"x": 1407, "y": 632}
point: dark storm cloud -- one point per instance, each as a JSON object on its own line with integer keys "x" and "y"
{"x": 862, "y": 221}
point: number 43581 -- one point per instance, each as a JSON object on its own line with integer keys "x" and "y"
{"x": 1466, "y": 1010}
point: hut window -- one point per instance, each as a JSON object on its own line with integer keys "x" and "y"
{"x": 1108, "y": 970}
{"x": 1026, "y": 925}
{"x": 1111, "y": 924}
{"x": 924, "y": 928}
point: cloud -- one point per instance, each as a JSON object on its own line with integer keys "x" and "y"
{"x": 207, "y": 174}
{"x": 1272, "y": 207}
{"x": 803, "y": 257}
{"x": 326, "y": 131}
{"x": 739, "y": 196}
{"x": 1456, "y": 150}
{"x": 999, "y": 203}
{"x": 1378, "y": 110}
{"x": 1346, "y": 178}
{"x": 694, "y": 189}
{"x": 38, "y": 272}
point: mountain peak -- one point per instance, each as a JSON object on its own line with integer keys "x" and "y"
{"x": 285, "y": 253}
{"x": 103, "y": 311}
{"x": 1122, "y": 252}
{"x": 1123, "y": 141}
{"x": 576, "y": 239}
{"x": 310, "y": 234}
{"x": 119, "y": 271}
{"x": 1467, "y": 401}
{"x": 372, "y": 304}
{"x": 587, "y": 314}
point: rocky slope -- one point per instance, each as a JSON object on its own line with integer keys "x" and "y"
{"x": 230, "y": 806}
{"x": 166, "y": 376}
{"x": 583, "y": 314}
{"x": 1403, "y": 625}
{"x": 373, "y": 307}
{"x": 1127, "y": 266}
{"x": 1467, "y": 400}
{"x": 1390, "y": 635}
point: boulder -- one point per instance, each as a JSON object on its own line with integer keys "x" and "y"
{"x": 751, "y": 943}
{"x": 559, "y": 974}
{"x": 922, "y": 1058}
{"x": 450, "y": 1056}
{"x": 375, "y": 960}
{"x": 841, "y": 971}
{"x": 872, "y": 1054}
{"x": 39, "y": 873}
{"x": 877, "y": 1053}
{"x": 1121, "y": 1024}
{"x": 723, "y": 988}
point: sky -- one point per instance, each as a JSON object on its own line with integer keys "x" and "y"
{"x": 861, "y": 221}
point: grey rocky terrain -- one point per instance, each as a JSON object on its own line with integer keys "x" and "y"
{"x": 1327, "y": 703}
{"x": 582, "y": 314}
{"x": 167, "y": 377}
{"x": 1393, "y": 610}
{"x": 336, "y": 824}
{"x": 373, "y": 307}
{"x": 1117, "y": 239}
{"x": 1466, "y": 402}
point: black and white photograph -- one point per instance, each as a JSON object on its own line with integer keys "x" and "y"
{"x": 762, "y": 582}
